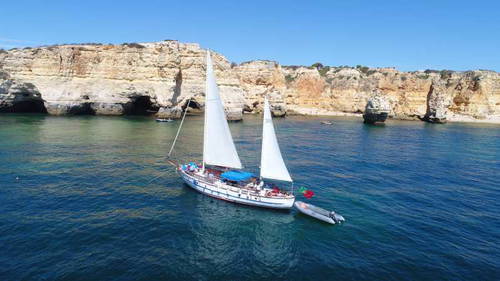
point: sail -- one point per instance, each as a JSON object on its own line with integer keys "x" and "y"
{"x": 218, "y": 145}
{"x": 272, "y": 165}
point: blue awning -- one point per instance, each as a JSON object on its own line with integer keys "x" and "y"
{"x": 236, "y": 175}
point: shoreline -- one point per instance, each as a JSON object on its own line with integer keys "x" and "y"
{"x": 323, "y": 114}
{"x": 453, "y": 118}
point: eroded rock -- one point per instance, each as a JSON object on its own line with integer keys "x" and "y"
{"x": 107, "y": 79}
{"x": 121, "y": 79}
{"x": 16, "y": 96}
{"x": 377, "y": 109}
{"x": 437, "y": 103}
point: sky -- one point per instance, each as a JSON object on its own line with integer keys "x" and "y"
{"x": 408, "y": 35}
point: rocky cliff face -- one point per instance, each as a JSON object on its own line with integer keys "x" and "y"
{"x": 160, "y": 78}
{"x": 121, "y": 79}
{"x": 456, "y": 96}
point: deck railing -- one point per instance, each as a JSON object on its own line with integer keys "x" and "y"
{"x": 244, "y": 189}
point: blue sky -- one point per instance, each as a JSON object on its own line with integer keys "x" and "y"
{"x": 409, "y": 35}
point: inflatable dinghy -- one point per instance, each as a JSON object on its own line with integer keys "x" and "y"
{"x": 318, "y": 213}
{"x": 163, "y": 120}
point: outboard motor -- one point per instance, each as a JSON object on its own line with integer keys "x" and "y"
{"x": 333, "y": 216}
{"x": 336, "y": 218}
{"x": 339, "y": 218}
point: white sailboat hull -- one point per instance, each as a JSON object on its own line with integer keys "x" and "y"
{"x": 229, "y": 193}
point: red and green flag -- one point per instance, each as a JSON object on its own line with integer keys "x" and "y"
{"x": 306, "y": 192}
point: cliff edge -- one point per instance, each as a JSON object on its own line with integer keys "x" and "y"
{"x": 159, "y": 78}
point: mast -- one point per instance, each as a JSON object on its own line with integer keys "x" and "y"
{"x": 218, "y": 145}
{"x": 272, "y": 165}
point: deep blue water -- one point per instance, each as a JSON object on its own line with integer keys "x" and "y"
{"x": 421, "y": 203}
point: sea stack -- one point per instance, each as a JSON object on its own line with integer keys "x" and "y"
{"x": 437, "y": 103}
{"x": 377, "y": 109}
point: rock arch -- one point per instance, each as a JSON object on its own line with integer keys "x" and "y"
{"x": 20, "y": 98}
{"x": 192, "y": 106}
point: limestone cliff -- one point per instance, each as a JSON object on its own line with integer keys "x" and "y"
{"x": 121, "y": 79}
{"x": 161, "y": 77}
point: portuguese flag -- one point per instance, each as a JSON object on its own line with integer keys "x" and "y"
{"x": 306, "y": 192}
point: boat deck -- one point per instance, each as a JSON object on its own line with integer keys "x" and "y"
{"x": 212, "y": 176}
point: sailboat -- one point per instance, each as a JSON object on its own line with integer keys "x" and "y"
{"x": 220, "y": 175}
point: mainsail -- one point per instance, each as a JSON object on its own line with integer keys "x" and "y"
{"x": 272, "y": 165}
{"x": 218, "y": 145}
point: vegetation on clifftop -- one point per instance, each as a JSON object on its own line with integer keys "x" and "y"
{"x": 134, "y": 45}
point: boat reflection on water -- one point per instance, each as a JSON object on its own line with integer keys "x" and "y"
{"x": 257, "y": 246}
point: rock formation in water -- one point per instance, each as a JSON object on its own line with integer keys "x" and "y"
{"x": 160, "y": 78}
{"x": 377, "y": 109}
{"x": 437, "y": 103}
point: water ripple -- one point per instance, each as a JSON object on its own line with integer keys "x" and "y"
{"x": 94, "y": 199}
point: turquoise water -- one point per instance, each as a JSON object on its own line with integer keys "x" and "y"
{"x": 421, "y": 203}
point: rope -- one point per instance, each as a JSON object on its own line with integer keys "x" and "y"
{"x": 173, "y": 144}
{"x": 179, "y": 130}
{"x": 160, "y": 175}
{"x": 163, "y": 173}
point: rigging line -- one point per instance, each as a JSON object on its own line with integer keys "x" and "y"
{"x": 164, "y": 172}
{"x": 179, "y": 130}
{"x": 156, "y": 177}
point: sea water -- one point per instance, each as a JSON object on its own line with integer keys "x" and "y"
{"x": 93, "y": 198}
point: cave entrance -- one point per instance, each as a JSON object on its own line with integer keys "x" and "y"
{"x": 192, "y": 107}
{"x": 26, "y": 106}
{"x": 141, "y": 106}
{"x": 83, "y": 109}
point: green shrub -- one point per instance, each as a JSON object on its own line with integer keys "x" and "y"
{"x": 2, "y": 51}
{"x": 363, "y": 69}
{"x": 428, "y": 71}
{"x": 423, "y": 76}
{"x": 445, "y": 74}
{"x": 317, "y": 65}
{"x": 323, "y": 71}
{"x": 289, "y": 78}
{"x": 133, "y": 45}
{"x": 403, "y": 78}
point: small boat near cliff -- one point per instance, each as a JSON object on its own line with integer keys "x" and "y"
{"x": 163, "y": 120}
{"x": 220, "y": 175}
{"x": 318, "y": 213}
